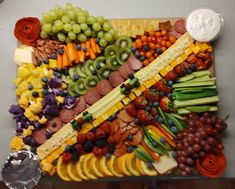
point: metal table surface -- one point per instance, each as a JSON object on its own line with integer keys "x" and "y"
{"x": 12, "y": 10}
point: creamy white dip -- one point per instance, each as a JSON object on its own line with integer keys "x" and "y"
{"x": 204, "y": 25}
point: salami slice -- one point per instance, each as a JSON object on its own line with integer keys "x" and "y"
{"x": 124, "y": 71}
{"x": 54, "y": 125}
{"x": 66, "y": 115}
{"x": 137, "y": 138}
{"x": 179, "y": 26}
{"x": 125, "y": 117}
{"x": 92, "y": 96}
{"x": 104, "y": 87}
{"x": 115, "y": 79}
{"x": 134, "y": 63}
{"x": 80, "y": 106}
{"x": 40, "y": 136}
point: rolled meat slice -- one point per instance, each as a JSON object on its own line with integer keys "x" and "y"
{"x": 92, "y": 96}
{"x": 66, "y": 115}
{"x": 179, "y": 26}
{"x": 40, "y": 136}
{"x": 54, "y": 125}
{"x": 115, "y": 79}
{"x": 134, "y": 63}
{"x": 124, "y": 71}
{"x": 104, "y": 87}
{"x": 80, "y": 106}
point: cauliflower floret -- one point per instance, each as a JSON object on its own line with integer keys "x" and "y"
{"x": 24, "y": 102}
{"x": 28, "y": 131}
{"x": 43, "y": 120}
{"x": 60, "y": 99}
{"x": 30, "y": 115}
{"x": 17, "y": 143}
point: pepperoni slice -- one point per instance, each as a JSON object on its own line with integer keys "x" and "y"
{"x": 124, "y": 71}
{"x": 66, "y": 115}
{"x": 54, "y": 125}
{"x": 40, "y": 136}
{"x": 80, "y": 106}
{"x": 179, "y": 26}
{"x": 92, "y": 96}
{"x": 115, "y": 79}
{"x": 137, "y": 138}
{"x": 124, "y": 116}
{"x": 134, "y": 63}
{"x": 104, "y": 87}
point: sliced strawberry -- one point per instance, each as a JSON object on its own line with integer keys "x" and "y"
{"x": 171, "y": 76}
{"x": 140, "y": 102}
{"x": 166, "y": 105}
{"x": 130, "y": 108}
{"x": 152, "y": 95}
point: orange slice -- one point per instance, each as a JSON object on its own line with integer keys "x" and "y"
{"x": 86, "y": 166}
{"x": 121, "y": 164}
{"x": 112, "y": 165}
{"x": 72, "y": 171}
{"x": 61, "y": 169}
{"x": 79, "y": 169}
{"x": 146, "y": 170}
{"x": 94, "y": 168}
{"x": 103, "y": 167}
{"x": 131, "y": 164}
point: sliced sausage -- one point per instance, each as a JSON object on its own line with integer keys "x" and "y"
{"x": 179, "y": 26}
{"x": 92, "y": 96}
{"x": 54, "y": 125}
{"x": 80, "y": 106}
{"x": 134, "y": 63}
{"x": 124, "y": 71}
{"x": 124, "y": 116}
{"x": 115, "y": 79}
{"x": 40, "y": 136}
{"x": 66, "y": 115}
{"x": 104, "y": 87}
{"x": 137, "y": 138}
{"x": 115, "y": 126}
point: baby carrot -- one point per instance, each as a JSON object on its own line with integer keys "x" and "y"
{"x": 65, "y": 58}
{"x": 88, "y": 47}
{"x": 59, "y": 61}
{"x": 71, "y": 53}
{"x": 153, "y": 154}
{"x": 93, "y": 45}
{"x": 76, "y": 53}
{"x": 98, "y": 50}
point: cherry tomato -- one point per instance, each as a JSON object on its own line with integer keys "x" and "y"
{"x": 146, "y": 62}
{"x": 163, "y": 49}
{"x": 151, "y": 33}
{"x": 144, "y": 38}
{"x": 164, "y": 32}
{"x": 139, "y": 45}
{"x": 172, "y": 39}
{"x": 168, "y": 44}
{"x": 152, "y": 45}
{"x": 148, "y": 54}
{"x": 150, "y": 59}
{"x": 158, "y": 34}
{"x": 159, "y": 40}
{"x": 163, "y": 43}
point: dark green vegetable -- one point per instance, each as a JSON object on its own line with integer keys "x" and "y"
{"x": 193, "y": 84}
{"x": 186, "y": 111}
{"x": 189, "y": 95}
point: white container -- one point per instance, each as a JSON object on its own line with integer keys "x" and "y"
{"x": 204, "y": 25}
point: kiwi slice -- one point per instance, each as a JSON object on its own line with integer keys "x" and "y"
{"x": 124, "y": 41}
{"x": 99, "y": 62}
{"x": 66, "y": 78}
{"x": 80, "y": 86}
{"x": 123, "y": 55}
{"x": 112, "y": 62}
{"x": 110, "y": 50}
{"x": 71, "y": 89}
{"x": 103, "y": 73}
{"x": 79, "y": 70}
{"x": 88, "y": 67}
{"x": 91, "y": 81}
{"x": 72, "y": 72}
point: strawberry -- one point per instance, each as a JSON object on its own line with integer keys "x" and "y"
{"x": 140, "y": 102}
{"x": 66, "y": 157}
{"x": 105, "y": 149}
{"x": 90, "y": 136}
{"x": 154, "y": 111}
{"x": 182, "y": 69}
{"x": 81, "y": 138}
{"x": 144, "y": 117}
{"x": 130, "y": 108}
{"x": 166, "y": 105}
{"x": 106, "y": 126}
{"x": 171, "y": 76}
{"x": 152, "y": 95}
{"x": 97, "y": 151}
{"x": 80, "y": 148}
{"x": 161, "y": 86}
{"x": 100, "y": 133}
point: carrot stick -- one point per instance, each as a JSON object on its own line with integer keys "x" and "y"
{"x": 153, "y": 154}
{"x": 82, "y": 55}
{"x": 59, "y": 61}
{"x": 92, "y": 54}
{"x": 93, "y": 45}
{"x": 98, "y": 50}
{"x": 66, "y": 62}
{"x": 165, "y": 132}
{"x": 71, "y": 53}
{"x": 76, "y": 54}
{"x": 88, "y": 47}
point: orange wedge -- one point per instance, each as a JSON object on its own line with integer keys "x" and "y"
{"x": 131, "y": 164}
{"x": 103, "y": 167}
{"x": 72, "y": 172}
{"x": 121, "y": 164}
{"x": 79, "y": 169}
{"x": 61, "y": 169}
{"x": 138, "y": 166}
{"x": 94, "y": 167}
{"x": 112, "y": 165}
{"x": 146, "y": 170}
{"x": 86, "y": 166}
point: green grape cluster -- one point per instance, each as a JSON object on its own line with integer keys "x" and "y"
{"x": 72, "y": 24}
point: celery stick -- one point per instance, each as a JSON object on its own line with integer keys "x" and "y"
{"x": 195, "y": 88}
{"x": 189, "y": 95}
{"x": 198, "y": 101}
{"x": 193, "y": 84}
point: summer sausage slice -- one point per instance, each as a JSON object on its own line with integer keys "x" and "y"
{"x": 66, "y": 115}
{"x": 124, "y": 116}
{"x": 54, "y": 125}
{"x": 179, "y": 26}
{"x": 134, "y": 63}
{"x": 124, "y": 71}
{"x": 137, "y": 138}
{"x": 92, "y": 96}
{"x": 80, "y": 106}
{"x": 40, "y": 136}
{"x": 104, "y": 87}
{"x": 115, "y": 79}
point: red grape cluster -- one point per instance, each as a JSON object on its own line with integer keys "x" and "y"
{"x": 201, "y": 137}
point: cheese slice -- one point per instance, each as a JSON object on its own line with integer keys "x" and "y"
{"x": 165, "y": 164}
{"x": 23, "y": 55}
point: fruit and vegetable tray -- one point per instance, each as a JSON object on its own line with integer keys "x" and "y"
{"x": 115, "y": 98}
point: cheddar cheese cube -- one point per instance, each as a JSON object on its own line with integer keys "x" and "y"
{"x": 126, "y": 101}
{"x": 119, "y": 105}
{"x": 132, "y": 96}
